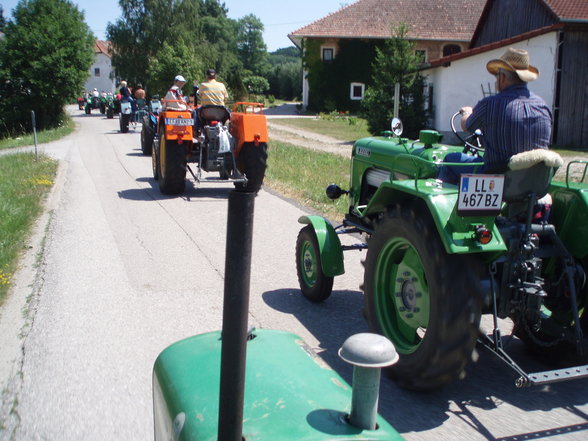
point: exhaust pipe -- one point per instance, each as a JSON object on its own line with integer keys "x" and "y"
{"x": 368, "y": 353}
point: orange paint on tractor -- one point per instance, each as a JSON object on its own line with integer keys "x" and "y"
{"x": 172, "y": 113}
{"x": 248, "y": 124}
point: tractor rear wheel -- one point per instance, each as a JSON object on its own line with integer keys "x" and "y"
{"x": 424, "y": 300}
{"x": 226, "y": 166}
{"x": 315, "y": 286}
{"x": 155, "y": 160}
{"x": 252, "y": 162}
{"x": 124, "y": 123}
{"x": 172, "y": 166}
{"x": 146, "y": 139}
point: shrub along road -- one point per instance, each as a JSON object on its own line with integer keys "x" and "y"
{"x": 124, "y": 271}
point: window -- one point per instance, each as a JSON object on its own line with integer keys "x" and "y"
{"x": 356, "y": 91}
{"x": 328, "y": 53}
{"x": 421, "y": 55}
{"x": 97, "y": 72}
{"x": 451, "y": 49}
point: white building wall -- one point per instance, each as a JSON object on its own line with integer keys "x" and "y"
{"x": 104, "y": 82}
{"x": 460, "y": 84}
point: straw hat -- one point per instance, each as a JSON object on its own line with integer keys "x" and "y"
{"x": 515, "y": 60}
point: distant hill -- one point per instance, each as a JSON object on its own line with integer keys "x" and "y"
{"x": 284, "y": 55}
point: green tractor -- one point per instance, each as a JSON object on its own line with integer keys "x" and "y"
{"x": 513, "y": 245}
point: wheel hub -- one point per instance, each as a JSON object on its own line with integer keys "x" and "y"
{"x": 309, "y": 265}
{"x": 408, "y": 294}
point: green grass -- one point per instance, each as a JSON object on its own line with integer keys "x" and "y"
{"x": 23, "y": 187}
{"x": 570, "y": 152}
{"x": 44, "y": 136}
{"x": 303, "y": 175}
{"x": 278, "y": 102}
{"x": 343, "y": 129}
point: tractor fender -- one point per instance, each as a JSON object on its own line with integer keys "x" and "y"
{"x": 329, "y": 244}
{"x": 456, "y": 232}
{"x": 570, "y": 207}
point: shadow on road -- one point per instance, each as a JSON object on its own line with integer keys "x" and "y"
{"x": 488, "y": 383}
{"x": 190, "y": 194}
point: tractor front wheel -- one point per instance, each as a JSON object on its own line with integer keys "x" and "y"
{"x": 423, "y": 299}
{"x": 172, "y": 166}
{"x": 252, "y": 162}
{"x": 146, "y": 139}
{"x": 315, "y": 286}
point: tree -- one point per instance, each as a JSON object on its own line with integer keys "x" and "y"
{"x": 47, "y": 51}
{"x": 256, "y": 84}
{"x": 171, "y": 61}
{"x": 158, "y": 39}
{"x": 251, "y": 47}
{"x": 395, "y": 63}
{"x": 2, "y": 19}
{"x": 285, "y": 80}
{"x": 285, "y": 73}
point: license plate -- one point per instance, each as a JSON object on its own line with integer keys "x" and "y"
{"x": 179, "y": 122}
{"x": 480, "y": 195}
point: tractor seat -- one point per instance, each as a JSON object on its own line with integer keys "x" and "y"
{"x": 530, "y": 172}
{"x": 213, "y": 113}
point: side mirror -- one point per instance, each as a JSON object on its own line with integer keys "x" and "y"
{"x": 333, "y": 191}
{"x": 396, "y": 126}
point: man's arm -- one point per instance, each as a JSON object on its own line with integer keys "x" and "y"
{"x": 465, "y": 111}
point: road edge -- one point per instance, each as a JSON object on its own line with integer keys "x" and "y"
{"x": 17, "y": 314}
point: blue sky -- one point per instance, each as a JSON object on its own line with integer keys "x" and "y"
{"x": 280, "y": 17}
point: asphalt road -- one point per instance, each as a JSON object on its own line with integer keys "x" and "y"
{"x": 117, "y": 272}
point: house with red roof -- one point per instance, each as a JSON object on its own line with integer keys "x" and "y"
{"x": 338, "y": 50}
{"x": 101, "y": 74}
{"x": 554, "y": 32}
{"x": 457, "y": 39}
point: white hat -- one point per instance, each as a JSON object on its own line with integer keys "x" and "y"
{"x": 180, "y": 78}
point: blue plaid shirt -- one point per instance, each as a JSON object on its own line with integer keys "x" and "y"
{"x": 512, "y": 121}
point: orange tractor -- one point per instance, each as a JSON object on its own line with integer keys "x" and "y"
{"x": 233, "y": 144}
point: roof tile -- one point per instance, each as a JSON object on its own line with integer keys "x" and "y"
{"x": 569, "y": 9}
{"x": 102, "y": 47}
{"x": 453, "y": 20}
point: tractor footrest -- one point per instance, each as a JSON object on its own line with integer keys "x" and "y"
{"x": 554, "y": 376}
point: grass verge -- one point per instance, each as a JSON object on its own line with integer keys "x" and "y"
{"x": 343, "y": 129}
{"x": 25, "y": 183}
{"x": 44, "y": 136}
{"x": 303, "y": 175}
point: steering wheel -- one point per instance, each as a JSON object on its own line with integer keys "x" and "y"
{"x": 472, "y": 143}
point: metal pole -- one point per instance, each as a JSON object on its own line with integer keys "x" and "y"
{"x": 364, "y": 401}
{"x": 396, "y": 99}
{"x": 235, "y": 314}
{"x": 35, "y": 134}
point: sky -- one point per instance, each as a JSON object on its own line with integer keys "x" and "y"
{"x": 280, "y": 17}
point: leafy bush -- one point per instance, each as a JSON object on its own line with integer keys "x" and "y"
{"x": 45, "y": 55}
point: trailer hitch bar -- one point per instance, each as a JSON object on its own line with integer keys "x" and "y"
{"x": 534, "y": 378}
